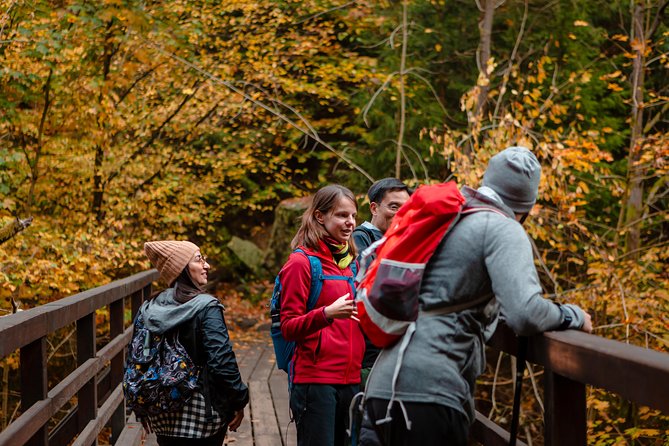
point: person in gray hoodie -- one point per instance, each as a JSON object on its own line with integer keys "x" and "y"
{"x": 219, "y": 402}
{"x": 431, "y": 399}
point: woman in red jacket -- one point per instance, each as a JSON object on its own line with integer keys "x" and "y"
{"x": 330, "y": 345}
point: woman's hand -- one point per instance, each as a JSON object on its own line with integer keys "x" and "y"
{"x": 236, "y": 420}
{"x": 342, "y": 308}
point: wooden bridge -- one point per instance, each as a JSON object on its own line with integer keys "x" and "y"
{"x": 86, "y": 407}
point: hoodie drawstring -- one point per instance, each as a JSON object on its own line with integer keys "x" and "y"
{"x": 400, "y": 356}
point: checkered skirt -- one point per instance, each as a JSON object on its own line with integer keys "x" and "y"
{"x": 189, "y": 422}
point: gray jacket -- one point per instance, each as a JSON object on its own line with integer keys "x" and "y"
{"x": 485, "y": 253}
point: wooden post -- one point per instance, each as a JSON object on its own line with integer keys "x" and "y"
{"x": 135, "y": 302}
{"x": 34, "y": 383}
{"x": 87, "y": 396}
{"x": 565, "y": 416}
{"x": 138, "y": 297}
{"x": 116, "y": 367}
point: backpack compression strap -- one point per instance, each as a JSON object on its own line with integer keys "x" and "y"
{"x": 316, "y": 271}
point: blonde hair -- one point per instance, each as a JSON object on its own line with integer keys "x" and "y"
{"x": 311, "y": 232}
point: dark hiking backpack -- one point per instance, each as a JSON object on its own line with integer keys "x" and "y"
{"x": 159, "y": 374}
{"x": 284, "y": 350}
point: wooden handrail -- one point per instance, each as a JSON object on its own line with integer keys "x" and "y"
{"x": 27, "y": 331}
{"x": 572, "y": 360}
{"x": 20, "y": 329}
{"x": 641, "y": 375}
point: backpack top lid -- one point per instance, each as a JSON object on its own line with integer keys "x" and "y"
{"x": 387, "y": 296}
{"x": 418, "y": 227}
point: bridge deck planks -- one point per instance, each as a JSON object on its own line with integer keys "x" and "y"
{"x": 278, "y": 384}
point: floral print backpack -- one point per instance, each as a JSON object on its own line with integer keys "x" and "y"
{"x": 159, "y": 375}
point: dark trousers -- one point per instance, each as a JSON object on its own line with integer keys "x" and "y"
{"x": 368, "y": 435}
{"x": 214, "y": 440}
{"x": 431, "y": 424}
{"x": 321, "y": 413}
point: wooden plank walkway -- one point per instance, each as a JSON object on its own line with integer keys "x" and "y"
{"x": 266, "y": 418}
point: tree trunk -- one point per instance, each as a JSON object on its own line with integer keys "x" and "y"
{"x": 34, "y": 165}
{"x": 98, "y": 183}
{"x": 484, "y": 54}
{"x": 633, "y": 208}
{"x": 403, "y": 63}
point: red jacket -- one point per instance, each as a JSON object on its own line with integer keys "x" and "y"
{"x": 326, "y": 352}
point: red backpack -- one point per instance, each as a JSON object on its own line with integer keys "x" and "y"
{"x": 387, "y": 295}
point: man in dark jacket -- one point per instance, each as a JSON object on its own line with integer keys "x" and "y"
{"x": 486, "y": 253}
{"x": 386, "y": 196}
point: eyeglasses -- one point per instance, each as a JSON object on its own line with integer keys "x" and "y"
{"x": 392, "y": 208}
{"x": 201, "y": 259}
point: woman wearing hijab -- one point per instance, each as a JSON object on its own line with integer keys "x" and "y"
{"x": 329, "y": 342}
{"x": 197, "y": 317}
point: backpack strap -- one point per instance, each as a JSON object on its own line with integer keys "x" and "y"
{"x": 316, "y": 271}
{"x": 473, "y": 209}
{"x": 448, "y": 309}
{"x": 367, "y": 232}
{"x": 317, "y": 278}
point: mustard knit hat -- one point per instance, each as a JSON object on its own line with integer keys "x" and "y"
{"x": 170, "y": 257}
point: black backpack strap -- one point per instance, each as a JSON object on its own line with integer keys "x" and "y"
{"x": 367, "y": 232}
{"x": 520, "y": 371}
{"x": 199, "y": 358}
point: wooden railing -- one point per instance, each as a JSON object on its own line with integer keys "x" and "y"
{"x": 96, "y": 381}
{"x": 572, "y": 360}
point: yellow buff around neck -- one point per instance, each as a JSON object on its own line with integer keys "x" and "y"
{"x": 341, "y": 255}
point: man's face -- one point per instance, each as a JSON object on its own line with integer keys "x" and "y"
{"x": 383, "y": 212}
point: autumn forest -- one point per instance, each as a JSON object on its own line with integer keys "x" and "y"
{"x": 123, "y": 121}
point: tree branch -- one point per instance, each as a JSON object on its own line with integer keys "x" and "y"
{"x": 154, "y": 136}
{"x": 657, "y": 20}
{"x": 262, "y": 105}
{"x": 14, "y": 227}
{"x": 327, "y": 11}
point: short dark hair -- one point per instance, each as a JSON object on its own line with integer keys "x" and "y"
{"x": 382, "y": 187}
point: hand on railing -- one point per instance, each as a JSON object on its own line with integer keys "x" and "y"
{"x": 587, "y": 323}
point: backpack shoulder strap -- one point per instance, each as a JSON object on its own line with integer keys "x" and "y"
{"x": 448, "y": 309}
{"x": 367, "y": 232}
{"x": 473, "y": 209}
{"x": 316, "y": 279}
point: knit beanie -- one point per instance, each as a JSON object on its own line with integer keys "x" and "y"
{"x": 170, "y": 257}
{"x": 514, "y": 174}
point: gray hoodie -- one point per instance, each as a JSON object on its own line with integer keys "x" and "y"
{"x": 485, "y": 253}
